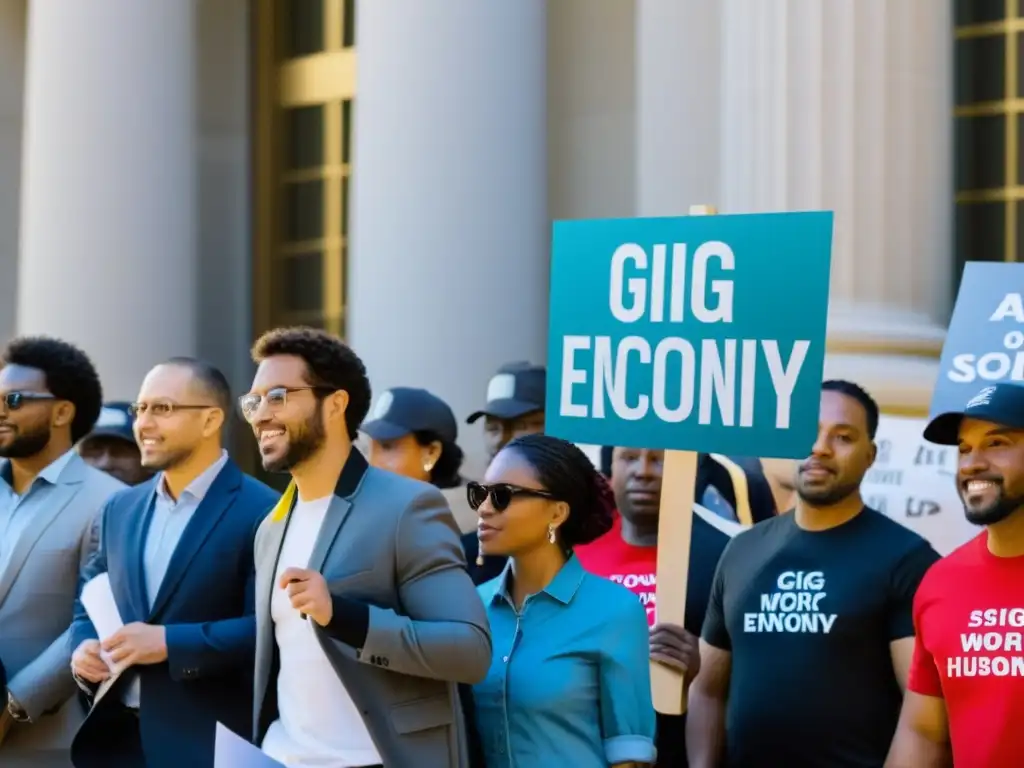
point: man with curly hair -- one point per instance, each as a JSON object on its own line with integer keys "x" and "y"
{"x": 366, "y": 618}
{"x": 50, "y": 397}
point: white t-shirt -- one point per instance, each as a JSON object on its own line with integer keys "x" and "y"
{"x": 318, "y": 725}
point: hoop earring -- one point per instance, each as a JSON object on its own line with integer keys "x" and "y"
{"x": 551, "y": 533}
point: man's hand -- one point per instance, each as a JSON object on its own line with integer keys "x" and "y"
{"x": 137, "y": 643}
{"x": 309, "y": 594}
{"x": 674, "y": 647}
{"x": 87, "y": 663}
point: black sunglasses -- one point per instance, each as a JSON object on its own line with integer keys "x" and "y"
{"x": 15, "y": 400}
{"x": 501, "y": 495}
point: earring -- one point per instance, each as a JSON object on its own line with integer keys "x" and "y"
{"x": 427, "y": 466}
{"x": 551, "y": 533}
{"x": 479, "y": 553}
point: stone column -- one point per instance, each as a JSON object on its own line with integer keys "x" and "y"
{"x": 678, "y": 92}
{"x": 846, "y": 105}
{"x": 448, "y": 275}
{"x": 108, "y": 204}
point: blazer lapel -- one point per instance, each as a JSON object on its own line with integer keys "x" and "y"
{"x": 268, "y": 554}
{"x": 333, "y": 520}
{"x": 341, "y": 504}
{"x": 135, "y": 550}
{"x": 208, "y": 514}
{"x": 61, "y": 493}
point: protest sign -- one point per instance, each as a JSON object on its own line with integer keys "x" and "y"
{"x": 688, "y": 334}
{"x": 985, "y": 341}
{"x": 913, "y": 482}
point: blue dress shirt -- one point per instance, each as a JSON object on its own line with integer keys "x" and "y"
{"x": 16, "y": 511}
{"x": 569, "y": 684}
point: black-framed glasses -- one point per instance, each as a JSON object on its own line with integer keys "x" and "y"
{"x": 161, "y": 409}
{"x": 275, "y": 399}
{"x": 501, "y": 494}
{"x": 15, "y": 400}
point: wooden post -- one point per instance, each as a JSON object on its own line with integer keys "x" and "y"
{"x": 675, "y": 528}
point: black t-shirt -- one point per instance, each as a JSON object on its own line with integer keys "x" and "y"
{"x": 808, "y": 618}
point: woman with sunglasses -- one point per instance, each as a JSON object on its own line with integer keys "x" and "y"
{"x": 569, "y": 683}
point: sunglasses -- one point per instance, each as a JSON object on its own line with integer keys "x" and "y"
{"x": 500, "y": 494}
{"x": 15, "y": 400}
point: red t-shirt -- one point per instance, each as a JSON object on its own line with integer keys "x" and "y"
{"x": 634, "y": 567}
{"x": 969, "y": 619}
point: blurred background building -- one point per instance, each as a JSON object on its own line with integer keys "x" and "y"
{"x": 178, "y": 175}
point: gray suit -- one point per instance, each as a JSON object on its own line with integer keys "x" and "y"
{"x": 37, "y": 596}
{"x": 391, "y": 543}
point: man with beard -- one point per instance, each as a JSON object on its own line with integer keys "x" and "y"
{"x": 366, "y": 618}
{"x": 50, "y": 397}
{"x": 178, "y": 551}
{"x": 809, "y": 633}
{"x": 965, "y": 698}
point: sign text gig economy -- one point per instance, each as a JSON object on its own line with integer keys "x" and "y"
{"x": 681, "y": 380}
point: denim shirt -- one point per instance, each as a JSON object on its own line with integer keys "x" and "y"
{"x": 569, "y": 684}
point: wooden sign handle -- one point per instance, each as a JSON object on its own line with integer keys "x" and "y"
{"x": 675, "y": 530}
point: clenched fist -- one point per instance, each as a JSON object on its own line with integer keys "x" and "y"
{"x": 309, "y": 594}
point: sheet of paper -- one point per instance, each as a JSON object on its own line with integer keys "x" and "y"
{"x": 232, "y": 751}
{"x": 98, "y": 599}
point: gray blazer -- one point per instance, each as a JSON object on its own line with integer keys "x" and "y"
{"x": 391, "y": 543}
{"x": 37, "y": 598}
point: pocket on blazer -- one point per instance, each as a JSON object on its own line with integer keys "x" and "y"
{"x": 422, "y": 714}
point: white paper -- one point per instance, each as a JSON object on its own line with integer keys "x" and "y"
{"x": 231, "y": 751}
{"x": 98, "y": 599}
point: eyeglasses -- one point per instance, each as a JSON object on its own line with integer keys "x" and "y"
{"x": 501, "y": 495}
{"x": 276, "y": 399}
{"x": 15, "y": 400}
{"x": 162, "y": 408}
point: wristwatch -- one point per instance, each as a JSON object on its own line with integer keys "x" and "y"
{"x": 15, "y": 709}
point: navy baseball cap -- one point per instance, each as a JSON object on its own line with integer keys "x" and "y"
{"x": 115, "y": 421}
{"x": 998, "y": 403}
{"x": 515, "y": 390}
{"x": 403, "y": 410}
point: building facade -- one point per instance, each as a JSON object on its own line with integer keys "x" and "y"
{"x": 178, "y": 175}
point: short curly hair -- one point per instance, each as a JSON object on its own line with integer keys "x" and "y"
{"x": 331, "y": 364}
{"x": 570, "y": 476}
{"x": 70, "y": 375}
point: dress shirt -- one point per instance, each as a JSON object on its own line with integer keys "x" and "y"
{"x": 569, "y": 683}
{"x": 167, "y": 523}
{"x": 16, "y": 511}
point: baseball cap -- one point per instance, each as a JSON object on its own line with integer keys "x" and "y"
{"x": 115, "y": 421}
{"x": 403, "y": 410}
{"x": 515, "y": 390}
{"x": 998, "y": 403}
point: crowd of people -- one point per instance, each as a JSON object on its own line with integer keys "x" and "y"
{"x": 386, "y": 611}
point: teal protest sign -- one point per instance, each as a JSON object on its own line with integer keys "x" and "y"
{"x": 985, "y": 342}
{"x": 692, "y": 333}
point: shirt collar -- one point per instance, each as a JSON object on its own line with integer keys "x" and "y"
{"x": 562, "y": 588}
{"x": 50, "y": 473}
{"x": 199, "y": 487}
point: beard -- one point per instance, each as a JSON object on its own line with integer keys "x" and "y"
{"x": 28, "y": 444}
{"x": 995, "y": 512}
{"x": 305, "y": 444}
{"x": 166, "y": 462}
{"x": 825, "y": 497}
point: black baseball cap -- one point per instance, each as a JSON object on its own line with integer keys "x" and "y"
{"x": 115, "y": 421}
{"x": 515, "y": 390}
{"x": 998, "y": 403}
{"x": 403, "y": 410}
